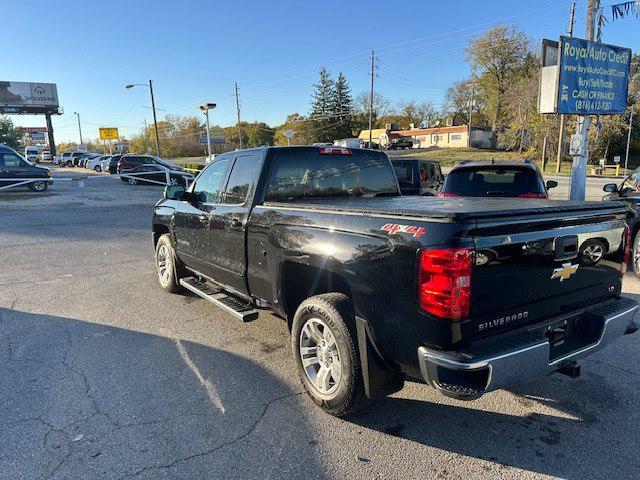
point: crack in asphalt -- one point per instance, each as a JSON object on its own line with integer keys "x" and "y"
{"x": 249, "y": 431}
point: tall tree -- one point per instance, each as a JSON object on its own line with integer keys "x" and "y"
{"x": 496, "y": 57}
{"x": 320, "y": 113}
{"x": 9, "y": 134}
{"x": 341, "y": 109}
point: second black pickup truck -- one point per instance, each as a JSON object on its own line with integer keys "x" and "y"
{"x": 466, "y": 294}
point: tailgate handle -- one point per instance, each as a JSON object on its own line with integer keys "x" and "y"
{"x": 566, "y": 247}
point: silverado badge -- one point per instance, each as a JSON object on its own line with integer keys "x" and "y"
{"x": 565, "y": 272}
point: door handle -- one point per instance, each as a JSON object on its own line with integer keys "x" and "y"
{"x": 236, "y": 222}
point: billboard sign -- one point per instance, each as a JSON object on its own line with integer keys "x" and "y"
{"x": 593, "y": 78}
{"x": 108, "y": 133}
{"x": 36, "y": 135}
{"x": 19, "y": 97}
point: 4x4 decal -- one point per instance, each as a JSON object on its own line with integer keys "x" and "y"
{"x": 394, "y": 228}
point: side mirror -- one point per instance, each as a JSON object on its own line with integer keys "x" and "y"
{"x": 551, "y": 184}
{"x": 174, "y": 192}
{"x": 610, "y": 188}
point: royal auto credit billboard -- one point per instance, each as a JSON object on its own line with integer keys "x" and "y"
{"x": 28, "y": 94}
{"x": 594, "y": 77}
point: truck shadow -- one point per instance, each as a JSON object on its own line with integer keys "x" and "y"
{"x": 84, "y": 400}
{"x": 576, "y": 429}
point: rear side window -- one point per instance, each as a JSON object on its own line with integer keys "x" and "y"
{"x": 404, "y": 172}
{"x": 311, "y": 174}
{"x": 497, "y": 182}
{"x": 241, "y": 177}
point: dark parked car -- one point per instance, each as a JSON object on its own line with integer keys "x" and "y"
{"x": 151, "y": 174}
{"x": 496, "y": 179}
{"x": 376, "y": 287}
{"x": 14, "y": 166}
{"x": 417, "y": 176}
{"x": 629, "y": 191}
{"x": 129, "y": 161}
{"x": 399, "y": 143}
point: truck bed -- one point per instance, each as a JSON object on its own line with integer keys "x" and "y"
{"x": 463, "y": 208}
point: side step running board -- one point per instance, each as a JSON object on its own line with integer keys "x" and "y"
{"x": 232, "y": 305}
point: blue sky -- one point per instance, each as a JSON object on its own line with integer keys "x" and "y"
{"x": 195, "y": 50}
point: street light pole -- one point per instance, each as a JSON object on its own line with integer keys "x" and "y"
{"x": 155, "y": 120}
{"x": 79, "y": 127}
{"x": 153, "y": 107}
{"x": 205, "y": 108}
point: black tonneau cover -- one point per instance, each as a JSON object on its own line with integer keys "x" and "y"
{"x": 463, "y": 208}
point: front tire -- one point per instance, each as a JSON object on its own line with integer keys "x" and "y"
{"x": 38, "y": 186}
{"x": 635, "y": 255}
{"x": 169, "y": 271}
{"x": 132, "y": 181}
{"x": 98, "y": 168}
{"x": 325, "y": 350}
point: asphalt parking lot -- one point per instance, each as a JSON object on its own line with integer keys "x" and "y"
{"x": 106, "y": 376}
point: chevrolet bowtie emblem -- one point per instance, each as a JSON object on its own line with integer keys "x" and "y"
{"x": 565, "y": 272}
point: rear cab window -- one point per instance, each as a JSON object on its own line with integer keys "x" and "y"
{"x": 404, "y": 172}
{"x": 301, "y": 174}
{"x": 496, "y": 181}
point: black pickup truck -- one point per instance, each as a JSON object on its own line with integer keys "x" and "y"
{"x": 466, "y": 294}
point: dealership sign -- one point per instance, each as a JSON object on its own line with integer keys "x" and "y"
{"x": 25, "y": 130}
{"x": 36, "y": 135}
{"x": 593, "y": 78}
{"x": 108, "y": 133}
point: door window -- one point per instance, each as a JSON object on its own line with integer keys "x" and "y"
{"x": 10, "y": 161}
{"x": 240, "y": 179}
{"x": 208, "y": 185}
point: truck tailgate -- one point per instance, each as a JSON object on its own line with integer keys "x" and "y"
{"x": 540, "y": 264}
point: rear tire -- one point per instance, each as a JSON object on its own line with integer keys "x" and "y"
{"x": 323, "y": 336}
{"x": 98, "y": 168}
{"x": 132, "y": 181}
{"x": 167, "y": 266}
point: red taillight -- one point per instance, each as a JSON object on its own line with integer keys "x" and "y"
{"x": 442, "y": 194}
{"x": 334, "y": 151}
{"x": 533, "y": 195}
{"x": 627, "y": 249}
{"x": 444, "y": 282}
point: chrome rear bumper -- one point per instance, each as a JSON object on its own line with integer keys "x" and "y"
{"x": 515, "y": 358}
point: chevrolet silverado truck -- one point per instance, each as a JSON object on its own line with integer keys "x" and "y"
{"x": 468, "y": 295}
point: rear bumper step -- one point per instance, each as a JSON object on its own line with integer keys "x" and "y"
{"x": 519, "y": 357}
{"x": 232, "y": 305}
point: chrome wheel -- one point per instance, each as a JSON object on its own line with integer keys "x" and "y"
{"x": 636, "y": 257}
{"x": 163, "y": 260}
{"x": 132, "y": 181}
{"x": 320, "y": 356}
{"x": 39, "y": 186}
{"x": 593, "y": 253}
{"x": 174, "y": 181}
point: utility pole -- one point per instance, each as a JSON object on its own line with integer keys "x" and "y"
{"x": 562, "y": 116}
{"x": 373, "y": 59}
{"x": 52, "y": 142}
{"x": 155, "y": 119}
{"x": 579, "y": 167}
{"x": 473, "y": 94}
{"x": 626, "y": 157}
{"x": 238, "y": 112}
{"x": 79, "y": 127}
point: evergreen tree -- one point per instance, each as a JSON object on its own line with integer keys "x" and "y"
{"x": 321, "y": 121}
{"x": 341, "y": 109}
